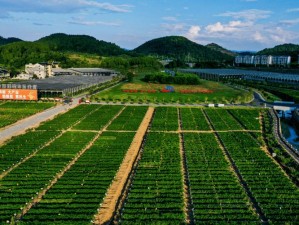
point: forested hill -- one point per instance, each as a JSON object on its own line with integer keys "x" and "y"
{"x": 177, "y": 47}
{"x": 81, "y": 43}
{"x": 285, "y": 49}
{"x": 4, "y": 41}
{"x": 219, "y": 48}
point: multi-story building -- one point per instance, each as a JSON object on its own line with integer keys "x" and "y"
{"x": 263, "y": 60}
{"x": 281, "y": 60}
{"x": 41, "y": 70}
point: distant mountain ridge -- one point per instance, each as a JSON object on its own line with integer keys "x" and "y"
{"x": 5, "y": 41}
{"x": 178, "y": 47}
{"x": 81, "y": 43}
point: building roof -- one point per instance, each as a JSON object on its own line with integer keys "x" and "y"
{"x": 92, "y": 70}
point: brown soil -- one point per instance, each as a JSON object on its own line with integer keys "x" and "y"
{"x": 113, "y": 194}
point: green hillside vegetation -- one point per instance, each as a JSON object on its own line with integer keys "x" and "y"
{"x": 5, "y": 41}
{"x": 219, "y": 48}
{"x": 177, "y": 47}
{"x": 81, "y": 43}
{"x": 285, "y": 49}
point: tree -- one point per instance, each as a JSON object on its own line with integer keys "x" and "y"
{"x": 130, "y": 76}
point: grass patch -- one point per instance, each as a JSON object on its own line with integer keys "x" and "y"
{"x": 142, "y": 92}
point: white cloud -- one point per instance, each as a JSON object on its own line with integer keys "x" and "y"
{"x": 232, "y": 26}
{"x": 193, "y": 32}
{"x": 251, "y": 14}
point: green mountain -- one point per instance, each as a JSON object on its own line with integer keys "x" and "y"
{"x": 5, "y": 41}
{"x": 285, "y": 49}
{"x": 81, "y": 43}
{"x": 177, "y": 47}
{"x": 219, "y": 48}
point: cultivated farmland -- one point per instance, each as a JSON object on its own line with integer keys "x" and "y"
{"x": 11, "y": 112}
{"x": 194, "y": 166}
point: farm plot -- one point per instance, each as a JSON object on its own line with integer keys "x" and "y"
{"x": 23, "y": 183}
{"x": 75, "y": 198}
{"x": 274, "y": 192}
{"x": 193, "y": 119}
{"x": 129, "y": 119}
{"x": 11, "y": 112}
{"x": 165, "y": 119}
{"x": 216, "y": 194}
{"x": 98, "y": 118}
{"x": 156, "y": 194}
{"x": 222, "y": 120}
{"x": 68, "y": 119}
{"x": 249, "y": 118}
{"x": 21, "y": 146}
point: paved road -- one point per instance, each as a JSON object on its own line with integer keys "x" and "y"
{"x": 33, "y": 121}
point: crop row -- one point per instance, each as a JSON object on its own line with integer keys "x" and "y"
{"x": 66, "y": 120}
{"x": 156, "y": 193}
{"x": 222, "y": 120}
{"x": 165, "y": 119}
{"x": 21, "y": 146}
{"x": 97, "y": 119}
{"x": 23, "y": 183}
{"x": 75, "y": 198}
{"x": 11, "y": 112}
{"x": 215, "y": 191}
{"x": 193, "y": 119}
{"x": 275, "y": 194}
{"x": 249, "y": 118}
{"x": 129, "y": 119}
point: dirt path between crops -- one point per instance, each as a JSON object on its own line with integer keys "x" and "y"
{"x": 185, "y": 174}
{"x": 109, "y": 205}
{"x": 40, "y": 195}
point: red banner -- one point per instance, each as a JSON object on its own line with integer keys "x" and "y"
{"x": 18, "y": 94}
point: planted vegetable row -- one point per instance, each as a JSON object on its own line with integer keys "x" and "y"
{"x": 156, "y": 194}
{"x": 193, "y": 119}
{"x": 75, "y": 198}
{"x": 24, "y": 182}
{"x": 129, "y": 119}
{"x": 276, "y": 195}
{"x": 165, "y": 119}
{"x": 216, "y": 194}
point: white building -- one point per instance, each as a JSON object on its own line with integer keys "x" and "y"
{"x": 41, "y": 70}
{"x": 263, "y": 60}
{"x": 281, "y": 60}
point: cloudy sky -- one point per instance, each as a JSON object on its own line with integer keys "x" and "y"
{"x": 234, "y": 24}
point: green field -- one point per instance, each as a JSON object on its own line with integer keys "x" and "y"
{"x": 192, "y": 169}
{"x": 11, "y": 112}
{"x": 141, "y": 92}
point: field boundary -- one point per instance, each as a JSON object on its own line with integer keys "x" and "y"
{"x": 254, "y": 204}
{"x": 39, "y": 196}
{"x": 45, "y": 145}
{"x": 114, "y": 193}
{"x": 188, "y": 204}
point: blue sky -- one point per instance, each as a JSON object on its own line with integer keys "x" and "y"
{"x": 234, "y": 24}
